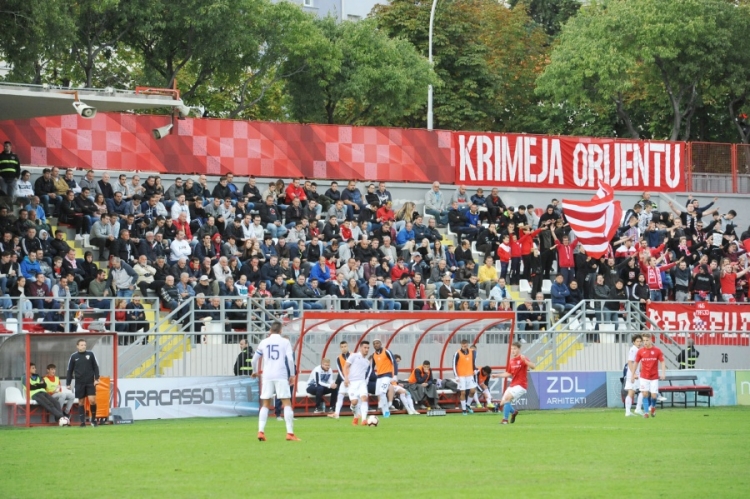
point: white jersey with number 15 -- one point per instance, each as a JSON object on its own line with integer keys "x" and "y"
{"x": 278, "y": 361}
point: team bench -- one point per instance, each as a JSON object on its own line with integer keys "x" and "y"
{"x": 699, "y": 390}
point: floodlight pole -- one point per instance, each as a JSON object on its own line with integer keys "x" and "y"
{"x": 429, "y": 87}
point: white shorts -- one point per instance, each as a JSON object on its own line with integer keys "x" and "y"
{"x": 632, "y": 386}
{"x": 649, "y": 385}
{"x": 357, "y": 390}
{"x": 278, "y": 388}
{"x": 466, "y": 383}
{"x": 516, "y": 392}
{"x": 382, "y": 385}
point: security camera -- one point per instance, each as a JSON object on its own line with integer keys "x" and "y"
{"x": 183, "y": 111}
{"x": 84, "y": 110}
{"x": 161, "y": 132}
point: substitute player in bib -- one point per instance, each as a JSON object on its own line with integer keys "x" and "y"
{"x": 650, "y": 358}
{"x": 279, "y": 372}
{"x": 384, "y": 365}
{"x": 464, "y": 366}
{"x": 483, "y": 377}
{"x": 84, "y": 368}
{"x": 518, "y": 370}
{"x": 356, "y": 374}
{"x": 340, "y": 361}
{"x": 630, "y": 385}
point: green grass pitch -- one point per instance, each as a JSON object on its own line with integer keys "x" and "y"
{"x": 701, "y": 453}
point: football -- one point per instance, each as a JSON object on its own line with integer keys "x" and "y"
{"x": 64, "y": 421}
{"x": 372, "y": 421}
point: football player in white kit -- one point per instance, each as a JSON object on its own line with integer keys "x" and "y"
{"x": 356, "y": 375}
{"x": 631, "y": 385}
{"x": 279, "y": 373}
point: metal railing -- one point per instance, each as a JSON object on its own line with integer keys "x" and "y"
{"x": 194, "y": 341}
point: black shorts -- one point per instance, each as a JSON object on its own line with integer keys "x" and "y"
{"x": 82, "y": 390}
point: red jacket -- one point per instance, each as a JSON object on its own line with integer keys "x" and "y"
{"x": 411, "y": 291}
{"x": 384, "y": 214}
{"x": 653, "y": 275}
{"x": 527, "y": 242}
{"x": 185, "y": 228}
{"x": 397, "y": 272}
{"x": 565, "y": 257}
{"x": 295, "y": 192}
{"x": 503, "y": 253}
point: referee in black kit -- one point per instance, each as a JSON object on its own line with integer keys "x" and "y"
{"x": 83, "y": 365}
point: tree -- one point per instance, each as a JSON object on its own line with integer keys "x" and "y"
{"x": 100, "y": 26}
{"x": 486, "y": 56}
{"x": 640, "y": 58}
{"x": 210, "y": 36}
{"x": 551, "y": 15}
{"x": 367, "y": 78}
{"x": 34, "y": 40}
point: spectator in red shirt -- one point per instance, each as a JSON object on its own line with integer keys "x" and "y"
{"x": 295, "y": 190}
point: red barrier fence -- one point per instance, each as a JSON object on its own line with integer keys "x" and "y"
{"x": 708, "y": 323}
{"x": 282, "y": 150}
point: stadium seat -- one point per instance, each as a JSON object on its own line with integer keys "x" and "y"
{"x": 16, "y": 403}
{"x": 524, "y": 286}
{"x": 546, "y": 286}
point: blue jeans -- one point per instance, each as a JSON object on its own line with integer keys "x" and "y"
{"x": 568, "y": 273}
{"x": 100, "y": 304}
{"x": 306, "y": 305}
{"x": 655, "y": 295}
{"x": 441, "y": 217}
{"x": 124, "y": 293}
{"x": 276, "y": 231}
{"x": 390, "y": 305}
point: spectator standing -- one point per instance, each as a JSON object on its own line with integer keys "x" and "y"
{"x": 10, "y": 169}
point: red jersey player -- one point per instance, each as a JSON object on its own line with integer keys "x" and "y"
{"x": 517, "y": 370}
{"x": 650, "y": 359}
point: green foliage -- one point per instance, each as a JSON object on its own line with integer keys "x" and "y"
{"x": 652, "y": 63}
{"x": 365, "y": 77}
{"x": 551, "y": 15}
{"x": 486, "y": 57}
{"x": 561, "y": 454}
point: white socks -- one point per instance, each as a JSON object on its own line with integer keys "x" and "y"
{"x": 408, "y": 402}
{"x": 463, "y": 405}
{"x": 339, "y": 403}
{"x": 628, "y": 404}
{"x": 262, "y": 418}
{"x": 476, "y": 399}
{"x": 639, "y": 404}
{"x": 289, "y": 419}
{"x": 487, "y": 397}
{"x": 383, "y": 402}
{"x": 363, "y": 409}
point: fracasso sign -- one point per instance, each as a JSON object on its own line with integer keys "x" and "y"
{"x": 567, "y": 162}
{"x": 168, "y": 398}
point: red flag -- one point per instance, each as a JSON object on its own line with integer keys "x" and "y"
{"x": 595, "y": 222}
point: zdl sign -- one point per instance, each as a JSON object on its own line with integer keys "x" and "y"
{"x": 568, "y": 390}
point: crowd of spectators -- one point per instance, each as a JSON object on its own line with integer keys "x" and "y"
{"x": 292, "y": 247}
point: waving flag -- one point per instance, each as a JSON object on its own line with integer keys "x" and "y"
{"x": 595, "y": 222}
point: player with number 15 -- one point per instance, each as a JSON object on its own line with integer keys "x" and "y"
{"x": 279, "y": 372}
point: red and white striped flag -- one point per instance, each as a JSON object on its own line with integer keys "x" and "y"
{"x": 595, "y": 222}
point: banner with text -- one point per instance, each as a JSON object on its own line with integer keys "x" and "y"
{"x": 570, "y": 390}
{"x": 546, "y": 162}
{"x": 169, "y": 398}
{"x": 705, "y": 322}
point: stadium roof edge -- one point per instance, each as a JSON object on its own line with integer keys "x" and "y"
{"x": 34, "y": 101}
